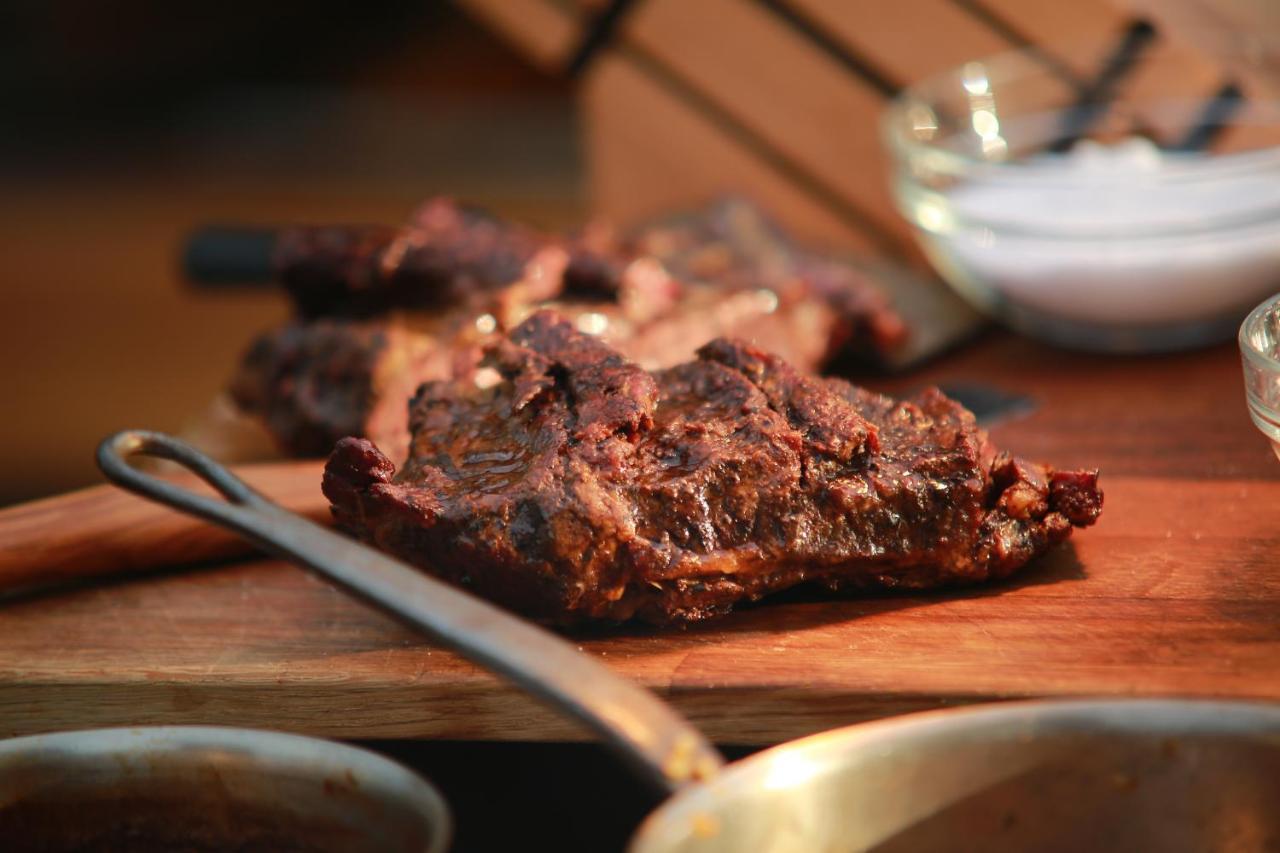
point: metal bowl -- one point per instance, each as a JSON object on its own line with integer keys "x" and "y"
{"x": 197, "y": 788}
{"x": 1119, "y": 775}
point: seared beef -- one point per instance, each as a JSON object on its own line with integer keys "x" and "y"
{"x": 316, "y": 382}
{"x": 312, "y": 382}
{"x": 736, "y": 246}
{"x": 582, "y": 487}
{"x": 448, "y": 254}
{"x": 654, "y": 294}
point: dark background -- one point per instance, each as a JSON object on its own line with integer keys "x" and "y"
{"x": 128, "y": 124}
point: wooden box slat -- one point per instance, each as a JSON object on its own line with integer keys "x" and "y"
{"x": 638, "y": 172}
{"x": 792, "y": 91}
{"x": 907, "y": 40}
{"x": 800, "y": 102}
{"x": 1049, "y": 24}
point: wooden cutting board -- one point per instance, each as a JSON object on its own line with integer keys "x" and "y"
{"x": 1175, "y": 591}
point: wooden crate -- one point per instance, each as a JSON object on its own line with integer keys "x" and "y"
{"x": 686, "y": 99}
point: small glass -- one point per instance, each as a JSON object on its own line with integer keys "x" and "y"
{"x": 1260, "y": 352}
{"x": 1145, "y": 219}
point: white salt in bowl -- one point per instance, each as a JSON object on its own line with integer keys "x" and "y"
{"x": 1143, "y": 219}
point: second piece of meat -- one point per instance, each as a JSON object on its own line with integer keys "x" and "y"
{"x": 458, "y": 277}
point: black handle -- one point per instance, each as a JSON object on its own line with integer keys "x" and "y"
{"x": 1095, "y": 97}
{"x": 1212, "y": 120}
{"x": 653, "y": 738}
{"x": 220, "y": 256}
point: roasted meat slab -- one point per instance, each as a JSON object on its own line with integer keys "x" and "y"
{"x": 449, "y": 254}
{"x": 454, "y": 279}
{"x": 312, "y": 381}
{"x": 582, "y": 487}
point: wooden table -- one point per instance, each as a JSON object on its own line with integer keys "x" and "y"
{"x": 1175, "y": 591}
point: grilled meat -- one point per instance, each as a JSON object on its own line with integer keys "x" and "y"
{"x": 653, "y": 294}
{"x": 582, "y": 487}
{"x": 736, "y": 246}
{"x": 447, "y": 256}
{"x": 312, "y": 381}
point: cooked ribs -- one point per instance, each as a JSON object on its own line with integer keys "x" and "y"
{"x": 582, "y": 487}
{"x": 454, "y": 279}
{"x": 312, "y": 381}
{"x": 448, "y": 255}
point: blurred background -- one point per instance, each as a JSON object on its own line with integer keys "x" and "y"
{"x": 132, "y": 123}
{"x": 129, "y": 124}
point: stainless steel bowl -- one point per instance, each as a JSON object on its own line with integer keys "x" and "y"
{"x": 197, "y": 788}
{"x": 1117, "y": 775}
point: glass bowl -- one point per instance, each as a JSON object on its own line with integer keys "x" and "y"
{"x": 1260, "y": 352}
{"x": 1141, "y": 215}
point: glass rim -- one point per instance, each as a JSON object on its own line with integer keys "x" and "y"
{"x": 1026, "y": 62}
{"x": 1251, "y": 324}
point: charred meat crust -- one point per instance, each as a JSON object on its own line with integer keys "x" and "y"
{"x": 313, "y": 383}
{"x": 727, "y": 270}
{"x": 448, "y": 253}
{"x": 309, "y": 382}
{"x": 582, "y": 488}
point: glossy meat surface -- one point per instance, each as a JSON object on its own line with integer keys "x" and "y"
{"x": 448, "y": 254}
{"x": 584, "y": 488}
{"x": 454, "y": 280}
{"x": 314, "y": 382}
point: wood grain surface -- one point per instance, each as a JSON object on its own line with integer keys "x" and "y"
{"x": 105, "y": 531}
{"x": 632, "y": 179}
{"x": 1175, "y": 591}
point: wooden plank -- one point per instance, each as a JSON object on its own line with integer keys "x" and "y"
{"x": 1078, "y": 34}
{"x": 1201, "y": 28}
{"x": 103, "y": 530}
{"x": 891, "y": 35}
{"x": 637, "y": 172}
{"x": 800, "y": 101}
{"x": 544, "y": 32}
{"x": 1173, "y": 592}
{"x": 1070, "y": 31}
{"x": 1170, "y": 73}
{"x": 1181, "y": 415}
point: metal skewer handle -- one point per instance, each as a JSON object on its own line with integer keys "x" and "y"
{"x": 658, "y": 742}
